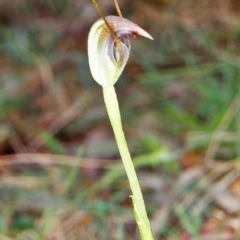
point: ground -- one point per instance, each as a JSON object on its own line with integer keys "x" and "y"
{"x": 61, "y": 176}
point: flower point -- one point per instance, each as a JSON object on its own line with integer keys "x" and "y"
{"x": 107, "y": 52}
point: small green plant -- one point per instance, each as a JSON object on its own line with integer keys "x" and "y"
{"x": 108, "y": 53}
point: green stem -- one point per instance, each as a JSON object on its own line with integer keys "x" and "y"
{"x": 112, "y": 106}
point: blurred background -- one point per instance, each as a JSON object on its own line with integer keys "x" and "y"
{"x": 61, "y": 177}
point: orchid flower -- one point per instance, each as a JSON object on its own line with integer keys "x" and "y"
{"x": 108, "y": 52}
{"x": 106, "y": 58}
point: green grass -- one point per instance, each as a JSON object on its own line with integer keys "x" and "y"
{"x": 60, "y": 173}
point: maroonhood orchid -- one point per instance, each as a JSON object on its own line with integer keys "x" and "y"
{"x": 107, "y": 58}
{"x": 108, "y": 52}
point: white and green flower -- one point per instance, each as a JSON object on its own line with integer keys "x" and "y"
{"x": 108, "y": 57}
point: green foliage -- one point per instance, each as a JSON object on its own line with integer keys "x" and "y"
{"x": 179, "y": 97}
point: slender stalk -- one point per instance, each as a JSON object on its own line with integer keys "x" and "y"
{"x": 118, "y": 8}
{"x": 112, "y": 106}
{"x": 114, "y": 35}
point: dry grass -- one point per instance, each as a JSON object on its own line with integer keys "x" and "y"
{"x": 60, "y": 173}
